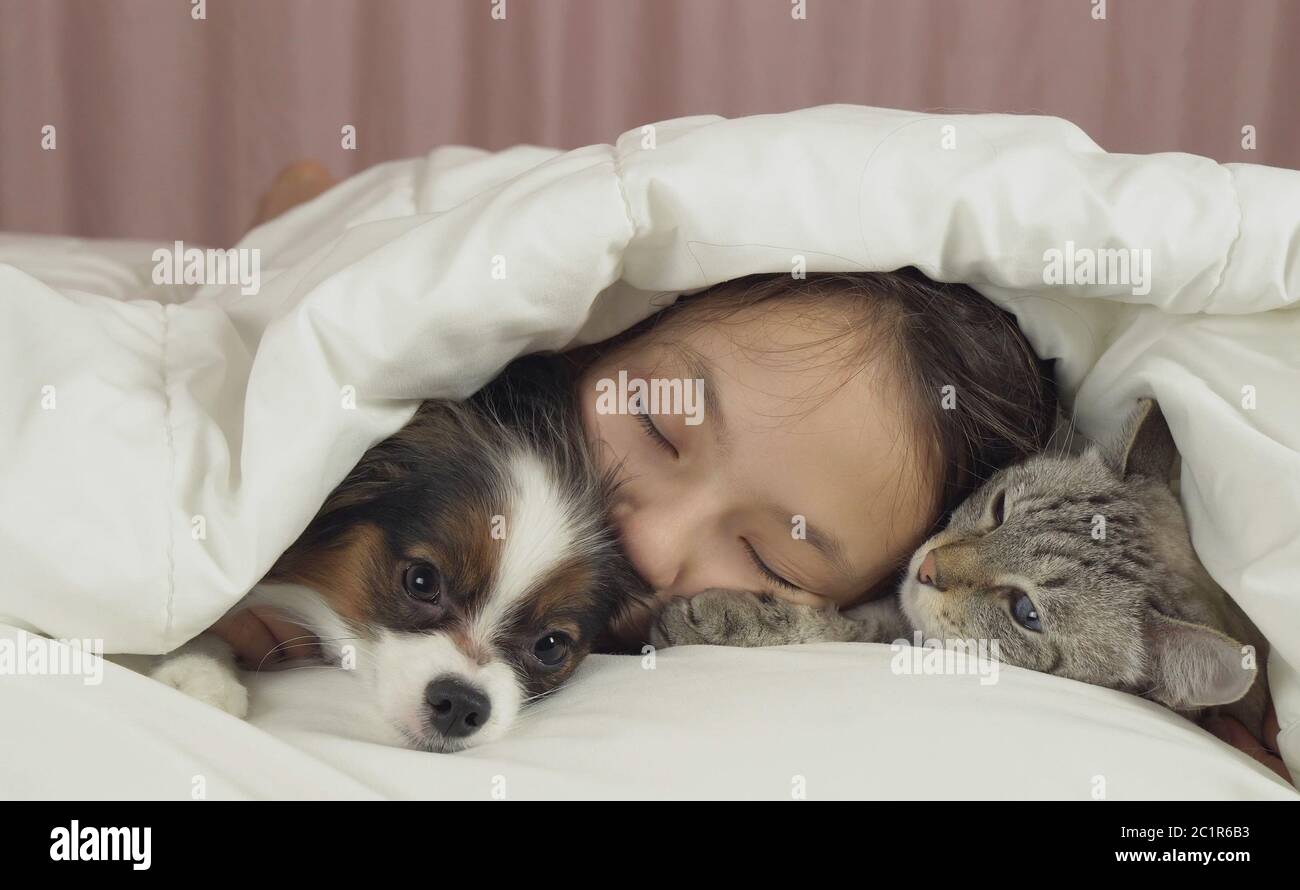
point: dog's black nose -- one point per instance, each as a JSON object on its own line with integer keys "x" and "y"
{"x": 456, "y": 708}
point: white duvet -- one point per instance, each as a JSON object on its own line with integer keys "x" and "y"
{"x": 162, "y": 444}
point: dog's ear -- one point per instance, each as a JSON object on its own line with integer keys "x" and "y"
{"x": 629, "y": 627}
{"x": 436, "y": 425}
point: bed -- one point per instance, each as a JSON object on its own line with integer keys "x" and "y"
{"x": 177, "y": 437}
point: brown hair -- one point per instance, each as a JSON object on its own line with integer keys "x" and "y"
{"x": 1003, "y": 401}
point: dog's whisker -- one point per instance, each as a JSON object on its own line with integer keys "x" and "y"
{"x": 304, "y": 641}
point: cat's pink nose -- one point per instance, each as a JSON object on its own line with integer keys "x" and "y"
{"x": 925, "y": 574}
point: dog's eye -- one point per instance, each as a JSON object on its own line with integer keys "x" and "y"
{"x": 423, "y": 582}
{"x": 1024, "y": 611}
{"x": 552, "y": 648}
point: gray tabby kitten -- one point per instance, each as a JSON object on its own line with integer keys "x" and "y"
{"x": 1079, "y": 566}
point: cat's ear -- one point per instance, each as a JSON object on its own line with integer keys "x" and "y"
{"x": 1145, "y": 447}
{"x": 1194, "y": 666}
{"x": 1065, "y": 440}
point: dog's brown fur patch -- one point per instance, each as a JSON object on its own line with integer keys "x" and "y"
{"x": 346, "y": 572}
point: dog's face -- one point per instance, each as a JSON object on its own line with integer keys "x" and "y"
{"x": 468, "y": 568}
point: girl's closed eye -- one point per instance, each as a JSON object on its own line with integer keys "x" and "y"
{"x": 655, "y": 435}
{"x": 766, "y": 571}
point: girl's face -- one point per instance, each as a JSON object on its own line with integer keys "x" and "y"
{"x": 799, "y": 477}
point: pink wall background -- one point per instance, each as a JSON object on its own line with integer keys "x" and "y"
{"x": 170, "y": 128}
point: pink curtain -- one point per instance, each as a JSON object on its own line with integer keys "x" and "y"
{"x": 168, "y": 127}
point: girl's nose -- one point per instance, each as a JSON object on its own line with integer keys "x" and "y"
{"x": 660, "y": 539}
{"x": 649, "y": 549}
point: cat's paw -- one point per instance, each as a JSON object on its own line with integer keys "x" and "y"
{"x": 737, "y": 618}
{"x": 211, "y": 680}
{"x": 675, "y": 625}
{"x": 724, "y": 618}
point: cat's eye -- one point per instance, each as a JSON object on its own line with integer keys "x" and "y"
{"x": 423, "y": 582}
{"x": 1025, "y": 612}
{"x": 552, "y": 648}
{"x": 998, "y": 507}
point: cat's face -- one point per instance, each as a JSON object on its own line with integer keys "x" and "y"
{"x": 1051, "y": 559}
{"x": 1066, "y": 562}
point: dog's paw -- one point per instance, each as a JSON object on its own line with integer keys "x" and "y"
{"x": 209, "y": 679}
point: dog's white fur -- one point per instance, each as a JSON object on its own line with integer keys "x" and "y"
{"x": 544, "y": 527}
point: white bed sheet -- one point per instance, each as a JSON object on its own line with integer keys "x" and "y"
{"x": 829, "y": 721}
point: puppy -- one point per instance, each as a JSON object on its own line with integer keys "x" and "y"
{"x": 463, "y": 568}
